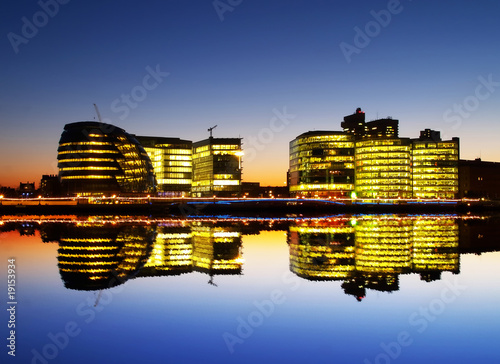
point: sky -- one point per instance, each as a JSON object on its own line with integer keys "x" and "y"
{"x": 263, "y": 70}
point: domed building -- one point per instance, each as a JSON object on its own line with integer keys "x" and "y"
{"x": 97, "y": 158}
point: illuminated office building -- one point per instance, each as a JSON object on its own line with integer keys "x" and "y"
{"x": 217, "y": 167}
{"x": 323, "y": 251}
{"x": 383, "y": 168}
{"x": 97, "y": 158}
{"x": 322, "y": 164}
{"x": 434, "y": 166}
{"x": 172, "y": 163}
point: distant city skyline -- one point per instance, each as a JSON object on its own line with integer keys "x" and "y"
{"x": 263, "y": 71}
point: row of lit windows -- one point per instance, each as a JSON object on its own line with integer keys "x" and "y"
{"x": 172, "y": 181}
{"x": 390, "y": 155}
{"x": 423, "y": 170}
{"x": 379, "y": 142}
{"x": 434, "y": 176}
{"x": 323, "y": 145}
{"x": 386, "y": 149}
{"x": 323, "y": 186}
{"x": 386, "y": 162}
{"x": 442, "y": 157}
{"x": 445, "y": 145}
{"x": 322, "y": 138}
{"x": 224, "y": 176}
{"x": 392, "y": 187}
{"x": 386, "y": 181}
{"x": 198, "y": 155}
{"x": 383, "y": 175}
{"x": 382, "y": 168}
{"x": 225, "y": 146}
{"x": 87, "y": 177}
{"x": 70, "y": 160}
{"x": 224, "y": 182}
{"x": 326, "y": 166}
{"x": 433, "y": 184}
{"x": 89, "y": 151}
{"x": 434, "y": 151}
{"x": 169, "y": 151}
{"x": 327, "y": 159}
{"x": 88, "y": 168}
{"x": 85, "y": 143}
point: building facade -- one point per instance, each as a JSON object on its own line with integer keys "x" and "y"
{"x": 434, "y": 166}
{"x": 97, "y": 158}
{"x": 172, "y": 164}
{"x": 217, "y": 167}
{"x": 383, "y": 168}
{"x": 479, "y": 179}
{"x": 322, "y": 164}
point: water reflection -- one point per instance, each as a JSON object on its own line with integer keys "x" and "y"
{"x": 373, "y": 252}
{"x": 201, "y": 247}
{"x": 362, "y": 252}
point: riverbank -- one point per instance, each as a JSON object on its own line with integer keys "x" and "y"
{"x": 164, "y": 207}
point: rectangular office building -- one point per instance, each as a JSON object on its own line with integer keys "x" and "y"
{"x": 172, "y": 164}
{"x": 217, "y": 167}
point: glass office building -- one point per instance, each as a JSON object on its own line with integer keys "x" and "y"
{"x": 434, "y": 166}
{"x": 217, "y": 167}
{"x": 172, "y": 163}
{"x": 383, "y": 168}
{"x": 322, "y": 164}
{"x": 96, "y": 158}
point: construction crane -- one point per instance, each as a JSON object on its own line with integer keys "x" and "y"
{"x": 98, "y": 113}
{"x": 210, "y": 130}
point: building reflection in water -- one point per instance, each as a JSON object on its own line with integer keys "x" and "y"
{"x": 363, "y": 252}
{"x": 372, "y": 252}
{"x": 99, "y": 256}
{"x": 195, "y": 247}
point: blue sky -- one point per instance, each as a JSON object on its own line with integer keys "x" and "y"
{"x": 238, "y": 64}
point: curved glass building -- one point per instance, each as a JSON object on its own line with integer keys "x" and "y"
{"x": 322, "y": 164}
{"x": 98, "y": 158}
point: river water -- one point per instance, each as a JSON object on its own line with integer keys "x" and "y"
{"x": 339, "y": 289}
